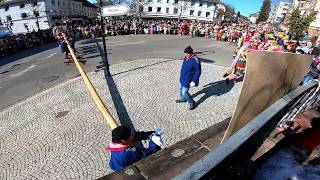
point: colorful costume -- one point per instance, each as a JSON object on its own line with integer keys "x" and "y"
{"x": 238, "y": 65}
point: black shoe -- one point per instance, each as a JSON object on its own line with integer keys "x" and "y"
{"x": 180, "y": 101}
{"x": 192, "y": 106}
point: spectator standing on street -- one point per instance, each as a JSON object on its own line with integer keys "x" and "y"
{"x": 315, "y": 67}
{"x": 189, "y": 76}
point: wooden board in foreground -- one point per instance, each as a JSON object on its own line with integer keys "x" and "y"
{"x": 269, "y": 76}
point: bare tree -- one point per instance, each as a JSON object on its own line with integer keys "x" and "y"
{"x": 230, "y": 12}
{"x": 182, "y": 5}
{"x": 136, "y": 7}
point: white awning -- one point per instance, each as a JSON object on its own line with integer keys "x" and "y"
{"x": 115, "y": 10}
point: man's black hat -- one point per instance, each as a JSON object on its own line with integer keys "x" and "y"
{"x": 121, "y": 134}
{"x": 188, "y": 50}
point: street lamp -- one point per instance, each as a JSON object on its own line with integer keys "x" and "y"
{"x": 105, "y": 63}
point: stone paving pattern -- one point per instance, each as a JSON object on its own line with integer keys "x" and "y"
{"x": 60, "y": 133}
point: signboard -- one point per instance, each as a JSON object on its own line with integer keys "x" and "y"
{"x": 115, "y": 10}
{"x": 4, "y": 31}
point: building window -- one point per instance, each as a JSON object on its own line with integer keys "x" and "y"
{"x": 58, "y": 3}
{"x": 24, "y": 15}
{"x": 53, "y": 2}
{"x": 209, "y": 5}
{"x": 193, "y": 3}
{"x": 26, "y": 26}
{"x": 175, "y": 10}
{"x": 158, "y": 9}
{"x": 22, "y": 5}
{"x": 9, "y": 18}
{"x": 199, "y": 13}
{"x": 168, "y": 1}
{"x": 207, "y": 14}
{"x": 149, "y": 9}
{"x": 191, "y": 12}
{"x": 175, "y": 1}
{"x": 167, "y": 10}
{"x": 159, "y": 1}
{"x": 36, "y": 13}
{"x": 6, "y": 8}
{"x": 35, "y": 3}
{"x": 63, "y": 3}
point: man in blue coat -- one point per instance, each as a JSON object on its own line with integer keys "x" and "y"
{"x": 123, "y": 151}
{"x": 189, "y": 76}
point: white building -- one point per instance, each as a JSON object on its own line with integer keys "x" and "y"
{"x": 206, "y": 10}
{"x": 307, "y": 6}
{"x": 278, "y": 12}
{"x": 22, "y": 16}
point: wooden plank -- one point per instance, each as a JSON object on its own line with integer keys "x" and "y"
{"x": 168, "y": 163}
{"x": 129, "y": 172}
{"x": 212, "y": 136}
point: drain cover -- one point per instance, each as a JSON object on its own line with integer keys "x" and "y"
{"x": 129, "y": 172}
{"x": 50, "y": 79}
{"x": 177, "y": 153}
{"x": 62, "y": 114}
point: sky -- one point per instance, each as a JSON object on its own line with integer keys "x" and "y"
{"x": 246, "y": 7}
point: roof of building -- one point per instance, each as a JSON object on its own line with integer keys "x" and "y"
{"x": 254, "y": 14}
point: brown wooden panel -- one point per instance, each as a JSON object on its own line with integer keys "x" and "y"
{"x": 269, "y": 76}
{"x": 129, "y": 172}
{"x": 163, "y": 165}
{"x": 212, "y": 136}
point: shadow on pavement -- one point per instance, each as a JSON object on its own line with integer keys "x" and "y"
{"x": 26, "y": 53}
{"x": 206, "y": 60}
{"x": 213, "y": 89}
{"x": 134, "y": 69}
{"x": 90, "y": 51}
{"x": 122, "y": 112}
{"x": 90, "y": 41}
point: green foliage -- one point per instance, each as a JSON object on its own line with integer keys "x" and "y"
{"x": 298, "y": 23}
{"x": 264, "y": 11}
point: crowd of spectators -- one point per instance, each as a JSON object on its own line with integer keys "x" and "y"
{"x": 262, "y": 36}
{"x": 15, "y": 43}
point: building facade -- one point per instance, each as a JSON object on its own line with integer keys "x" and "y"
{"x": 314, "y": 28}
{"x": 307, "y": 6}
{"x": 22, "y": 16}
{"x": 279, "y": 12}
{"x": 205, "y": 10}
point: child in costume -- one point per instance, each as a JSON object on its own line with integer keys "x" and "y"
{"x": 237, "y": 68}
{"x": 123, "y": 151}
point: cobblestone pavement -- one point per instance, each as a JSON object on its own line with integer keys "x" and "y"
{"x": 60, "y": 133}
